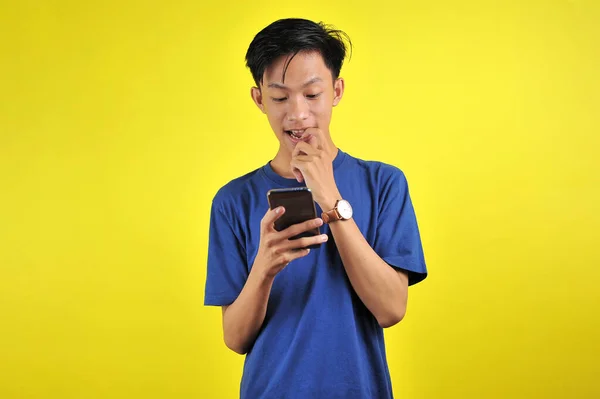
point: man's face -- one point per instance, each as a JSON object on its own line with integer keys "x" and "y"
{"x": 305, "y": 99}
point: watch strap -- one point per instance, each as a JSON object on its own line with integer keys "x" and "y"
{"x": 331, "y": 216}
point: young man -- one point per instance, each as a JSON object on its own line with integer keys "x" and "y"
{"x": 311, "y": 322}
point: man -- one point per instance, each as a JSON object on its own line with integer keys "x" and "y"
{"x": 311, "y": 321}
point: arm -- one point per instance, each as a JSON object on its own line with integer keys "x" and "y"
{"x": 383, "y": 289}
{"x": 243, "y": 319}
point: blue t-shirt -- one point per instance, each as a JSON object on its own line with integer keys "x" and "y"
{"x": 318, "y": 339}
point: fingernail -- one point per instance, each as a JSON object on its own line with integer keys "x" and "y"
{"x": 278, "y": 210}
{"x": 324, "y": 237}
{"x": 319, "y": 222}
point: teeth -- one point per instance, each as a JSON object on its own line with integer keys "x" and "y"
{"x": 297, "y": 133}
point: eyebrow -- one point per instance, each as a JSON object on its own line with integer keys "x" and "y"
{"x": 284, "y": 87}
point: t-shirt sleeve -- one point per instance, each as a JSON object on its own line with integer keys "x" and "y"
{"x": 398, "y": 241}
{"x": 226, "y": 269}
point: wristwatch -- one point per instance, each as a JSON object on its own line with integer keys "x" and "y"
{"x": 341, "y": 211}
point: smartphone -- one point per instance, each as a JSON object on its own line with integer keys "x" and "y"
{"x": 299, "y": 207}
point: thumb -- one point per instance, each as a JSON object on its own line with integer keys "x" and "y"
{"x": 272, "y": 215}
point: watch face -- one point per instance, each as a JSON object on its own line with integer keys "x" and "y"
{"x": 345, "y": 209}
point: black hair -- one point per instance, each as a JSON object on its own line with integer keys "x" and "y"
{"x": 291, "y": 36}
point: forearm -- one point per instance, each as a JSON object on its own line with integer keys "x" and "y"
{"x": 381, "y": 288}
{"x": 244, "y": 317}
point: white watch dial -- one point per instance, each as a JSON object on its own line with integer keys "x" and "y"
{"x": 345, "y": 209}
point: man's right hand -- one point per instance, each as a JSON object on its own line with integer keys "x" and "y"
{"x": 276, "y": 250}
{"x": 243, "y": 319}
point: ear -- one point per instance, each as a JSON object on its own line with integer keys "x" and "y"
{"x": 338, "y": 91}
{"x": 257, "y": 97}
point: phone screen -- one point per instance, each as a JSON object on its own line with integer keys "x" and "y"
{"x": 299, "y": 207}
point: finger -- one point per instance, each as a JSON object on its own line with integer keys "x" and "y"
{"x": 271, "y": 216}
{"x": 306, "y": 241}
{"x": 315, "y": 142}
{"x": 297, "y": 171}
{"x": 292, "y": 255}
{"x": 298, "y": 228}
{"x": 302, "y": 159}
{"x": 303, "y": 148}
{"x": 298, "y": 175}
{"x": 300, "y": 166}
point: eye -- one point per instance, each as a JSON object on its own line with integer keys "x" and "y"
{"x": 313, "y": 96}
{"x": 279, "y": 99}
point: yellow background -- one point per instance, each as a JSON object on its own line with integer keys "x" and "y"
{"x": 119, "y": 120}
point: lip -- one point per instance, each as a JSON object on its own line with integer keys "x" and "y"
{"x": 295, "y": 140}
{"x": 297, "y": 128}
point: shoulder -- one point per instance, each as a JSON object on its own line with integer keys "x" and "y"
{"x": 236, "y": 191}
{"x": 381, "y": 174}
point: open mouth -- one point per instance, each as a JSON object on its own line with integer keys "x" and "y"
{"x": 296, "y": 134}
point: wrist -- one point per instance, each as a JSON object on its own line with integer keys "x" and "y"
{"x": 261, "y": 275}
{"x": 329, "y": 202}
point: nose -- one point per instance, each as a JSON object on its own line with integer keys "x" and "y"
{"x": 299, "y": 110}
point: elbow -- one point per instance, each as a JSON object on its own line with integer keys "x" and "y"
{"x": 392, "y": 318}
{"x": 235, "y": 346}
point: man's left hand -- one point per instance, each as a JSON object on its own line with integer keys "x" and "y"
{"x": 312, "y": 163}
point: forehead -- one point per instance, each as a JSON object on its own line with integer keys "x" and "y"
{"x": 303, "y": 67}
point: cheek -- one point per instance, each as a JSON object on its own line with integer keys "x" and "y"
{"x": 326, "y": 103}
{"x": 275, "y": 118}
{"x": 323, "y": 108}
